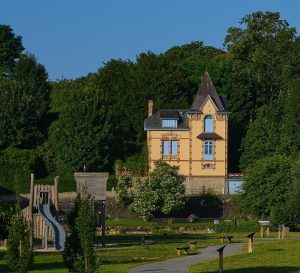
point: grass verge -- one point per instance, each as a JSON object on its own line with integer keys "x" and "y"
{"x": 268, "y": 257}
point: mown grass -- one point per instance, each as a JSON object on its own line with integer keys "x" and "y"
{"x": 126, "y": 251}
{"x": 268, "y": 257}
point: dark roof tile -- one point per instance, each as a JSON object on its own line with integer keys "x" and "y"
{"x": 209, "y": 135}
{"x": 207, "y": 89}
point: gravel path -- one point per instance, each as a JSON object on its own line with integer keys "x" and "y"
{"x": 181, "y": 265}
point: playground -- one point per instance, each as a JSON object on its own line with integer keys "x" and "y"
{"x": 46, "y": 213}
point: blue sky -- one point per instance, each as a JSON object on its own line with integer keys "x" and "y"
{"x": 72, "y": 38}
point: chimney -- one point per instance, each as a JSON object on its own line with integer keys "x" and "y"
{"x": 150, "y": 108}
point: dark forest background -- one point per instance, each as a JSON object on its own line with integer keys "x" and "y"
{"x": 56, "y": 128}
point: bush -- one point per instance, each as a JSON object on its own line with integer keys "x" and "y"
{"x": 111, "y": 182}
{"x": 19, "y": 252}
{"x": 6, "y": 212}
{"x": 18, "y": 162}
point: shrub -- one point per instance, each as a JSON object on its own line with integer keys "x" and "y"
{"x": 19, "y": 251}
{"x": 18, "y": 162}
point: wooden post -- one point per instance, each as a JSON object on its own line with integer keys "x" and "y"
{"x": 220, "y": 250}
{"x": 56, "y": 181}
{"x": 268, "y": 231}
{"x": 103, "y": 239}
{"x": 250, "y": 242}
{"x": 261, "y": 231}
{"x": 31, "y": 205}
{"x": 21, "y": 248}
{"x": 46, "y": 237}
{"x": 283, "y": 232}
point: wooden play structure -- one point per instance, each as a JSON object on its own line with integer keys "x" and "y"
{"x": 43, "y": 208}
{"x": 95, "y": 186}
{"x": 43, "y": 204}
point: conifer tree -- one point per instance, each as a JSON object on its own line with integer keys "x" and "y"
{"x": 87, "y": 262}
{"x": 79, "y": 255}
{"x": 19, "y": 251}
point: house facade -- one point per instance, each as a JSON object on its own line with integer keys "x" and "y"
{"x": 194, "y": 139}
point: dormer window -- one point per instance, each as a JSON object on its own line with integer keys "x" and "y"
{"x": 208, "y": 124}
{"x": 169, "y": 123}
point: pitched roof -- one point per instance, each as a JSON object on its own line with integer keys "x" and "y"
{"x": 207, "y": 89}
{"x": 154, "y": 122}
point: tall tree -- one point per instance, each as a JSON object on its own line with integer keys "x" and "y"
{"x": 263, "y": 135}
{"x": 260, "y": 56}
{"x": 266, "y": 186}
{"x": 83, "y": 133}
{"x": 24, "y": 105}
{"x": 10, "y": 49}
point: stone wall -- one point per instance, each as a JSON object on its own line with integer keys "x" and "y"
{"x": 198, "y": 185}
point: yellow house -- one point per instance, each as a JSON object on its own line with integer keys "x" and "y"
{"x": 194, "y": 139}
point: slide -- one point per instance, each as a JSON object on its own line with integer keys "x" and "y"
{"x": 59, "y": 233}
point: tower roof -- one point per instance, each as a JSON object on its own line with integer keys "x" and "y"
{"x": 206, "y": 89}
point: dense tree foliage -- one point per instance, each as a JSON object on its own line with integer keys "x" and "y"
{"x": 260, "y": 56}
{"x": 267, "y": 185}
{"x": 10, "y": 49}
{"x": 6, "y": 213}
{"x": 125, "y": 193}
{"x": 161, "y": 192}
{"x": 97, "y": 120}
{"x": 83, "y": 133}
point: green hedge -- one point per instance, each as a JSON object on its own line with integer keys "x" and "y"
{"x": 19, "y": 162}
{"x": 235, "y": 226}
{"x": 16, "y": 162}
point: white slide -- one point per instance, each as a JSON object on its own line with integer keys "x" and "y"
{"x": 59, "y": 233}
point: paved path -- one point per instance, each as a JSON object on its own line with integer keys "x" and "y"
{"x": 181, "y": 265}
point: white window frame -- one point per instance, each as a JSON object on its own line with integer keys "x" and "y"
{"x": 208, "y": 127}
{"x": 169, "y": 123}
{"x": 208, "y": 150}
{"x": 169, "y": 148}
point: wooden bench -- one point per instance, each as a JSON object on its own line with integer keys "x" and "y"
{"x": 229, "y": 238}
{"x": 146, "y": 240}
{"x": 222, "y": 238}
{"x": 182, "y": 250}
{"x": 192, "y": 244}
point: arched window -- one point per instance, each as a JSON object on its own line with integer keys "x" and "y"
{"x": 208, "y": 124}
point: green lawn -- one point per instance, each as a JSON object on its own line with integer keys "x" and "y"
{"x": 268, "y": 257}
{"x": 119, "y": 259}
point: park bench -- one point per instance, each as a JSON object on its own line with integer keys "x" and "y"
{"x": 133, "y": 232}
{"x": 146, "y": 240}
{"x": 229, "y": 238}
{"x": 192, "y": 244}
{"x": 182, "y": 250}
{"x": 222, "y": 238}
